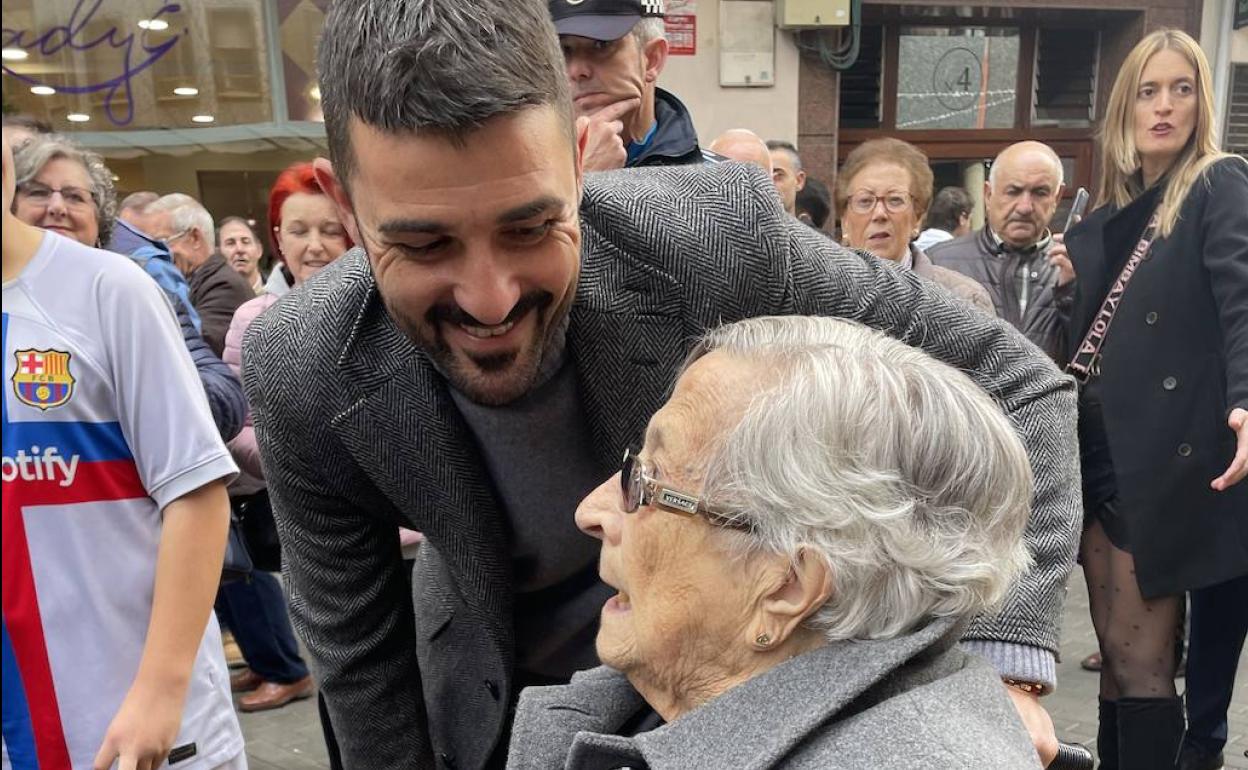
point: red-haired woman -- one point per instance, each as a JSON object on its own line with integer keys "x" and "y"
{"x": 307, "y": 235}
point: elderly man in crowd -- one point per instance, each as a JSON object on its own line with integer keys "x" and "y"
{"x": 240, "y": 245}
{"x": 786, "y": 172}
{"x": 186, "y": 227}
{"x": 743, "y": 145}
{"x": 805, "y": 517}
{"x": 506, "y": 328}
{"x": 1015, "y": 256}
{"x": 614, "y": 52}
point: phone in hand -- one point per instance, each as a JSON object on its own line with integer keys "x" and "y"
{"x": 1077, "y": 208}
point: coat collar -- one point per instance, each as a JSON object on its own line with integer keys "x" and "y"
{"x": 756, "y": 723}
{"x": 752, "y": 725}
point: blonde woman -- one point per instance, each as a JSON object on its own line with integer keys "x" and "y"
{"x": 1160, "y": 330}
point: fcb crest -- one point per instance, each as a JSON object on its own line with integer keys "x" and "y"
{"x": 42, "y": 379}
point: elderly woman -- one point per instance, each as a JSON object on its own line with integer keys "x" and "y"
{"x": 64, "y": 188}
{"x": 883, "y": 191}
{"x": 796, "y": 549}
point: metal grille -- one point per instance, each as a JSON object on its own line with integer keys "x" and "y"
{"x": 1236, "y": 134}
{"x": 1065, "y": 87}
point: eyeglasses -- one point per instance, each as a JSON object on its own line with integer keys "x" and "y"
{"x": 41, "y": 195}
{"x": 638, "y": 488}
{"x": 895, "y": 203}
{"x": 171, "y": 238}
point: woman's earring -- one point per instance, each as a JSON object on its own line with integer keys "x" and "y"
{"x": 762, "y": 640}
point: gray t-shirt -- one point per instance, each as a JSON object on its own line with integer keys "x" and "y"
{"x": 539, "y": 454}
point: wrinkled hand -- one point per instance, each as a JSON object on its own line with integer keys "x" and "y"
{"x": 1060, "y": 258}
{"x": 602, "y": 136}
{"x": 1038, "y": 723}
{"x": 1238, "y": 469}
{"x": 143, "y": 730}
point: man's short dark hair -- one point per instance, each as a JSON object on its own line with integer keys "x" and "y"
{"x": 780, "y": 144}
{"x": 814, "y": 201}
{"x": 948, "y": 208}
{"x": 438, "y": 66}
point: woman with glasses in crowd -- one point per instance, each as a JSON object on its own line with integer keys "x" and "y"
{"x": 67, "y": 189}
{"x": 882, "y": 193}
{"x": 797, "y": 548}
{"x": 1160, "y": 330}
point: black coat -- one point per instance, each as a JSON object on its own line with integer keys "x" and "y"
{"x": 1175, "y": 362}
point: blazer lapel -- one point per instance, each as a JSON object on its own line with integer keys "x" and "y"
{"x": 407, "y": 436}
{"x": 627, "y": 341}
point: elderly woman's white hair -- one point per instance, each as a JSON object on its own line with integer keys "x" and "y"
{"x": 896, "y": 468}
{"x": 31, "y": 156}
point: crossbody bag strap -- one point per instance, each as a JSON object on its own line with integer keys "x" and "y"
{"x": 1087, "y": 361}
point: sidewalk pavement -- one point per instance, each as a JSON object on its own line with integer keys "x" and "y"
{"x": 290, "y": 738}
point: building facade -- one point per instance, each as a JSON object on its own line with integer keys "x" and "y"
{"x": 214, "y": 97}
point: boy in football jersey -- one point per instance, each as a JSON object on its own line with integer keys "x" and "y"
{"x": 114, "y": 521}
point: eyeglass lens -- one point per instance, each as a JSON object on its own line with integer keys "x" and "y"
{"x": 630, "y": 482}
{"x": 42, "y": 194}
{"x": 865, "y": 203}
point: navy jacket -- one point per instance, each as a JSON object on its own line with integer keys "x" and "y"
{"x": 675, "y": 142}
{"x": 224, "y": 391}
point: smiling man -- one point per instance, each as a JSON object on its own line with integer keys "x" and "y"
{"x": 504, "y": 331}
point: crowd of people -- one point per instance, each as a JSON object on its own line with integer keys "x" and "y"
{"x": 856, "y": 471}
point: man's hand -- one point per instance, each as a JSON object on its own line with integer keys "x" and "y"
{"x": 601, "y": 136}
{"x": 1060, "y": 258}
{"x": 1038, "y": 723}
{"x": 1237, "y": 422}
{"x": 143, "y": 730}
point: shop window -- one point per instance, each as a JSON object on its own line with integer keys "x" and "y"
{"x": 957, "y": 77}
{"x": 236, "y": 52}
{"x": 1065, "y": 87}
{"x": 862, "y": 84}
{"x": 1236, "y": 134}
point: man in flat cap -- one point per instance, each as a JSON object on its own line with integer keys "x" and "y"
{"x": 615, "y": 51}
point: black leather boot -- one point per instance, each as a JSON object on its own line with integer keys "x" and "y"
{"x": 1107, "y": 734}
{"x": 1150, "y": 732}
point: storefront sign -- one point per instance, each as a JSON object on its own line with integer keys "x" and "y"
{"x": 73, "y": 35}
{"x": 682, "y": 35}
{"x": 681, "y": 26}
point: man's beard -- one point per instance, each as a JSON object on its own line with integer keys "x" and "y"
{"x": 494, "y": 379}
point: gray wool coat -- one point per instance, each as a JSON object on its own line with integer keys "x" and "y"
{"x": 916, "y": 702}
{"x": 359, "y": 435}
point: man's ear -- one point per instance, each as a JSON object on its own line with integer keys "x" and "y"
{"x": 323, "y": 170}
{"x": 654, "y": 56}
{"x": 801, "y": 181}
{"x": 987, "y": 191}
{"x": 800, "y": 593}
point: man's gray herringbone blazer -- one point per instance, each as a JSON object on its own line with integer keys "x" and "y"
{"x": 358, "y": 435}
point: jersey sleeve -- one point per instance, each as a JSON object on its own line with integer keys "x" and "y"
{"x": 161, "y": 405}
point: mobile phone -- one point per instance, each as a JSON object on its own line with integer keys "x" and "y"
{"x": 1077, "y": 208}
